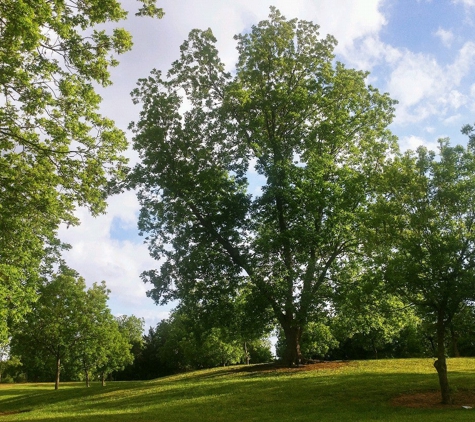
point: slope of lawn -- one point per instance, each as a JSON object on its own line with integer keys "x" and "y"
{"x": 354, "y": 391}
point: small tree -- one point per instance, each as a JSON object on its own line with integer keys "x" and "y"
{"x": 52, "y": 328}
{"x": 116, "y": 353}
{"x": 425, "y": 235}
{"x": 101, "y": 346}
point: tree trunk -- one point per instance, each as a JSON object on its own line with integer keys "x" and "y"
{"x": 103, "y": 379}
{"x": 86, "y": 373}
{"x": 375, "y": 349}
{"x": 246, "y": 354}
{"x": 440, "y": 364}
{"x": 58, "y": 372}
{"x": 293, "y": 356}
{"x": 454, "y": 338}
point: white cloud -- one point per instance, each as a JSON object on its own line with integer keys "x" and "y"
{"x": 413, "y": 142}
{"x": 468, "y": 3}
{"x": 371, "y": 51}
{"x": 425, "y": 88}
{"x": 97, "y": 256}
{"x": 452, "y": 120}
{"x": 445, "y": 36}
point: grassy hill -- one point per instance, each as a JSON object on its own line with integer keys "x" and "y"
{"x": 353, "y": 391}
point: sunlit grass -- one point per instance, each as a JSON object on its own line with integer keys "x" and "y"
{"x": 358, "y": 391}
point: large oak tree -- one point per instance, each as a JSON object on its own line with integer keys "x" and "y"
{"x": 310, "y": 129}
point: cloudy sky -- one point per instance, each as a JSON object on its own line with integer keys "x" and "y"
{"x": 420, "y": 51}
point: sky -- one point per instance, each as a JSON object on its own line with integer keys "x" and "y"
{"x": 420, "y": 51}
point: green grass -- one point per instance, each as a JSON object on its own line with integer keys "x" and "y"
{"x": 360, "y": 391}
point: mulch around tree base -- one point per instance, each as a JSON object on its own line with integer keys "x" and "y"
{"x": 432, "y": 400}
{"x": 311, "y": 366}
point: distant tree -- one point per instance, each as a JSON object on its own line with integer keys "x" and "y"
{"x": 314, "y": 131}
{"x": 425, "y": 236}
{"x": 461, "y": 340}
{"x": 102, "y": 346}
{"x": 365, "y": 311}
{"x": 316, "y": 341}
{"x": 116, "y": 353}
{"x": 51, "y": 330}
{"x": 174, "y": 344}
{"x": 56, "y": 150}
{"x": 131, "y": 327}
{"x": 70, "y": 327}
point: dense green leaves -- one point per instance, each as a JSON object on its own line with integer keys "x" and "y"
{"x": 71, "y": 328}
{"x": 312, "y": 129}
{"x": 424, "y": 235}
{"x": 56, "y": 150}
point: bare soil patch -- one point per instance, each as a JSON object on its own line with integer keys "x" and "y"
{"x": 14, "y": 412}
{"x": 313, "y": 366}
{"x": 432, "y": 400}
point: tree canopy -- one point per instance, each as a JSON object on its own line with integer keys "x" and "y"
{"x": 424, "y": 235}
{"x": 312, "y": 129}
{"x": 56, "y": 150}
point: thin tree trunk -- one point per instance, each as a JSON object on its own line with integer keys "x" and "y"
{"x": 246, "y": 353}
{"x": 454, "y": 338}
{"x": 440, "y": 364}
{"x": 58, "y": 372}
{"x": 103, "y": 379}
{"x": 375, "y": 349}
{"x": 86, "y": 372}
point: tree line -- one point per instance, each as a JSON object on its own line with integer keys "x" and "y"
{"x": 344, "y": 231}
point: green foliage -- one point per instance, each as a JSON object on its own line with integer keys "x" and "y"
{"x": 366, "y": 315}
{"x": 47, "y": 336}
{"x": 317, "y": 340}
{"x": 313, "y": 129}
{"x": 56, "y": 150}
{"x": 423, "y": 239}
{"x": 182, "y": 343}
{"x": 70, "y": 328}
{"x": 429, "y": 256}
{"x": 102, "y": 347}
{"x": 131, "y": 327}
{"x": 461, "y": 340}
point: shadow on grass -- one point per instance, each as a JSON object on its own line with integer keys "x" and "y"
{"x": 243, "y": 395}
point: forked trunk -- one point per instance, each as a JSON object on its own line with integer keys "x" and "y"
{"x": 441, "y": 364}
{"x": 293, "y": 356}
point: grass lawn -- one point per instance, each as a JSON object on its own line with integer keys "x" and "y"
{"x": 356, "y": 391}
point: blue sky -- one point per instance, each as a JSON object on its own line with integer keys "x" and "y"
{"x": 420, "y": 51}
